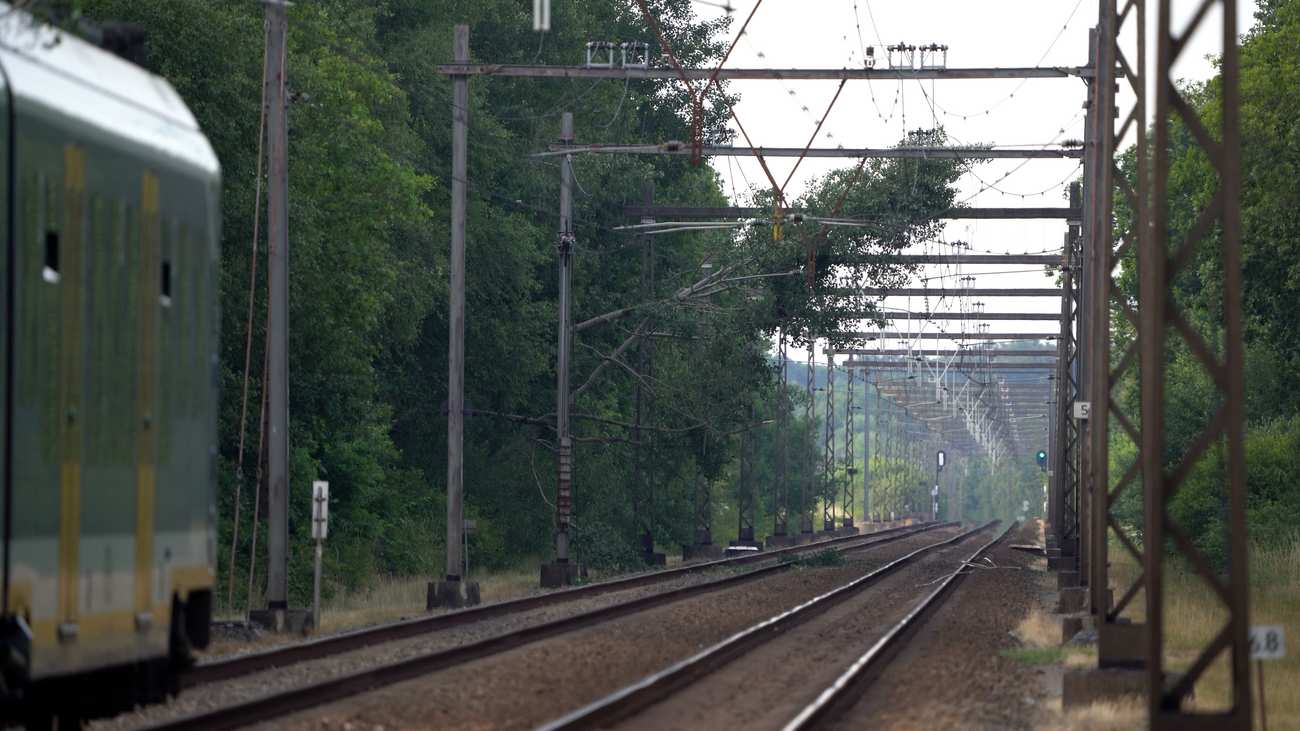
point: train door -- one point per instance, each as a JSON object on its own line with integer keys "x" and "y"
{"x": 15, "y": 636}
{"x": 6, "y": 326}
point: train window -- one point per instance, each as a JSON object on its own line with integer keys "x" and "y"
{"x": 165, "y": 296}
{"x": 51, "y": 271}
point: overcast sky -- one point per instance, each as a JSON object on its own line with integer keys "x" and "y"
{"x": 1005, "y": 33}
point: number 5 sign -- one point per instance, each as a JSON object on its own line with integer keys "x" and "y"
{"x": 1267, "y": 642}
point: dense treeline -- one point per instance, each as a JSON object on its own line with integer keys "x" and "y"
{"x": 368, "y": 173}
{"x": 1270, "y": 174}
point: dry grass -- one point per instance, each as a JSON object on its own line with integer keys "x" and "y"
{"x": 392, "y": 598}
{"x": 1119, "y": 716}
{"x": 1039, "y": 630}
{"x": 1193, "y": 615}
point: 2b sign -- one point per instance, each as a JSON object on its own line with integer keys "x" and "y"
{"x": 1267, "y": 642}
{"x": 320, "y": 509}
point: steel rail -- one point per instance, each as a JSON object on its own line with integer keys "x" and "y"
{"x": 656, "y": 687}
{"x": 847, "y": 688}
{"x": 259, "y": 710}
{"x": 233, "y": 667}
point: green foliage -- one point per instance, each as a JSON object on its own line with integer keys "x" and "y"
{"x": 605, "y": 548}
{"x": 1272, "y": 461}
{"x": 1270, "y": 174}
{"x": 676, "y": 329}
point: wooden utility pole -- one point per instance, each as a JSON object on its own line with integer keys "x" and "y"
{"x": 453, "y": 590}
{"x": 644, "y": 499}
{"x": 277, "y": 575}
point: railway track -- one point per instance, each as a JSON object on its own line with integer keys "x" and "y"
{"x": 666, "y": 699}
{"x": 847, "y": 688}
{"x": 275, "y": 705}
{"x": 240, "y": 665}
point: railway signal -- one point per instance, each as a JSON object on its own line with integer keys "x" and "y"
{"x": 1042, "y": 459}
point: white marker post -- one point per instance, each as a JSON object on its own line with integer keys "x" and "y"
{"x": 320, "y": 514}
{"x": 1267, "y": 642}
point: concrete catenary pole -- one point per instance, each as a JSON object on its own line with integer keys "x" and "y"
{"x": 453, "y": 591}
{"x": 810, "y": 417}
{"x": 565, "y": 281}
{"x": 562, "y": 572}
{"x": 277, "y": 579}
{"x": 867, "y": 451}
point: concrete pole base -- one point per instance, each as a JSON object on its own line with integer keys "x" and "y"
{"x": 560, "y": 573}
{"x": 1072, "y": 599}
{"x": 452, "y": 594}
{"x": 284, "y": 621}
{"x": 1121, "y": 644}
{"x": 701, "y": 551}
{"x": 654, "y": 558}
{"x": 782, "y": 541}
{"x": 1073, "y": 624}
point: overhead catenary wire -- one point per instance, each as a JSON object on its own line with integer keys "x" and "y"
{"x": 998, "y": 103}
{"x": 248, "y": 326}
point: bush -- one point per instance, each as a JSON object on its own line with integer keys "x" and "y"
{"x": 1272, "y": 459}
{"x": 603, "y": 547}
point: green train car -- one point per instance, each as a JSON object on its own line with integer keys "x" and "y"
{"x": 110, "y": 325}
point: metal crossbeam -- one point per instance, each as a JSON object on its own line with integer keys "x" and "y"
{"x": 896, "y": 364}
{"x": 739, "y": 74}
{"x": 942, "y": 293}
{"x": 891, "y": 335}
{"x": 938, "y": 316}
{"x": 712, "y": 212}
{"x": 1044, "y": 259}
{"x": 879, "y": 153}
{"x": 1043, "y": 353}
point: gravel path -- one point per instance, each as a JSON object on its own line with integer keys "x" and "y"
{"x": 207, "y": 697}
{"x": 768, "y": 686}
{"x": 952, "y": 674}
{"x": 532, "y": 684}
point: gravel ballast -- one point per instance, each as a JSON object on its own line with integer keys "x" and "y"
{"x": 768, "y": 686}
{"x": 953, "y": 674}
{"x": 529, "y": 685}
{"x": 211, "y": 696}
